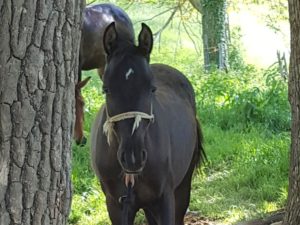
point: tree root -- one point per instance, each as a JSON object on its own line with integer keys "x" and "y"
{"x": 275, "y": 218}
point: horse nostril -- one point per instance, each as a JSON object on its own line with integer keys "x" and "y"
{"x": 123, "y": 158}
{"x": 132, "y": 162}
{"x": 144, "y": 155}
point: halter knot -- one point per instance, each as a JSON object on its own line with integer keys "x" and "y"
{"x": 108, "y": 127}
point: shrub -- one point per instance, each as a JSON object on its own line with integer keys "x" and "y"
{"x": 239, "y": 99}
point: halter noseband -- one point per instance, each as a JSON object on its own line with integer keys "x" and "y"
{"x": 108, "y": 126}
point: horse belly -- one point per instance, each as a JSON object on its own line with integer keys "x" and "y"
{"x": 91, "y": 47}
{"x": 180, "y": 122}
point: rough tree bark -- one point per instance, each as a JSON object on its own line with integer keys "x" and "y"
{"x": 39, "y": 44}
{"x": 214, "y": 32}
{"x": 292, "y": 216}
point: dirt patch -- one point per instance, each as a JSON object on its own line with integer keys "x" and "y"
{"x": 275, "y": 218}
{"x": 194, "y": 219}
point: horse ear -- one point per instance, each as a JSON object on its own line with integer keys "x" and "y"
{"x": 145, "y": 40}
{"x": 82, "y": 83}
{"x": 109, "y": 38}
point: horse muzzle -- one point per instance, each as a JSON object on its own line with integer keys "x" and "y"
{"x": 132, "y": 162}
{"x": 81, "y": 141}
{"x": 129, "y": 179}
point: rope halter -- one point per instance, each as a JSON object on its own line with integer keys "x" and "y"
{"x": 108, "y": 127}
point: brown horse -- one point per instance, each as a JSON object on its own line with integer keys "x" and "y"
{"x": 79, "y": 107}
{"x": 146, "y": 135}
{"x": 92, "y": 55}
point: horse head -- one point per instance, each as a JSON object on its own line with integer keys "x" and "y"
{"x": 79, "y": 107}
{"x": 128, "y": 85}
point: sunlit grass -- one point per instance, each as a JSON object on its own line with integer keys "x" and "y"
{"x": 89, "y": 208}
{"x": 246, "y": 175}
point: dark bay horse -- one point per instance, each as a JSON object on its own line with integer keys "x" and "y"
{"x": 92, "y": 55}
{"x": 95, "y": 20}
{"x": 146, "y": 135}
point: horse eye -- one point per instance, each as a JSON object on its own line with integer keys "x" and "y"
{"x": 153, "y": 89}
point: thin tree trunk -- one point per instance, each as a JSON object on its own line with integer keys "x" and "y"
{"x": 292, "y": 216}
{"x": 39, "y": 44}
{"x": 214, "y": 32}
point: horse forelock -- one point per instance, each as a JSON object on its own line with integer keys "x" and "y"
{"x": 128, "y": 57}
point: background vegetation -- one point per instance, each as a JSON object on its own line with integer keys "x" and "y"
{"x": 245, "y": 117}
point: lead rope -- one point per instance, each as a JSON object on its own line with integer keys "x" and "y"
{"x": 126, "y": 201}
{"x": 108, "y": 126}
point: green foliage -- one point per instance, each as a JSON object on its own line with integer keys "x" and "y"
{"x": 236, "y": 50}
{"x": 89, "y": 208}
{"x": 93, "y": 97}
{"x": 243, "y": 98}
{"x": 88, "y": 203}
{"x": 81, "y": 169}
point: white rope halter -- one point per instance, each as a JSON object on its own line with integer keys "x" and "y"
{"x": 108, "y": 126}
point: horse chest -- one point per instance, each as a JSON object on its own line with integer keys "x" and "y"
{"x": 144, "y": 193}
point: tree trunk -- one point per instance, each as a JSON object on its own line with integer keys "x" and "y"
{"x": 39, "y": 44}
{"x": 214, "y": 32}
{"x": 292, "y": 216}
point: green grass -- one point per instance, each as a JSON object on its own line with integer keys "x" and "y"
{"x": 246, "y": 175}
{"x": 245, "y": 119}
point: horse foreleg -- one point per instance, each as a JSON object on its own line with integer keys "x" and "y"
{"x": 167, "y": 208}
{"x": 115, "y": 212}
{"x": 182, "y": 195}
{"x": 150, "y": 217}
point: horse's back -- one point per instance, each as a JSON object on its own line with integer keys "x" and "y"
{"x": 101, "y": 15}
{"x": 95, "y": 20}
{"x": 171, "y": 81}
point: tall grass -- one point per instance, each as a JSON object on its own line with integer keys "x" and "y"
{"x": 245, "y": 117}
